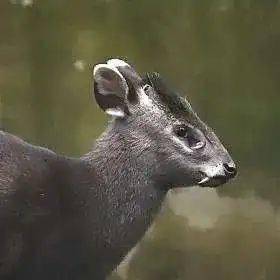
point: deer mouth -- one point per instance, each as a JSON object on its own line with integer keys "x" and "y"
{"x": 212, "y": 182}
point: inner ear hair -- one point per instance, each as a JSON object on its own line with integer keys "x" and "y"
{"x": 105, "y": 74}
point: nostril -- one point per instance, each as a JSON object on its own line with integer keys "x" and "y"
{"x": 230, "y": 169}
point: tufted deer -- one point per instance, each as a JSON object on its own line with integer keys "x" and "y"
{"x": 66, "y": 218}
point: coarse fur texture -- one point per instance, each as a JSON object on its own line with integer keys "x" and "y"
{"x": 65, "y": 218}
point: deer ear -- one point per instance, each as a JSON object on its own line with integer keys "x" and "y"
{"x": 110, "y": 90}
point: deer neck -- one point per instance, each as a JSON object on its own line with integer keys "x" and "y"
{"x": 130, "y": 192}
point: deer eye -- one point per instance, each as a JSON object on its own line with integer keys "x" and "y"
{"x": 181, "y": 130}
{"x": 191, "y": 136}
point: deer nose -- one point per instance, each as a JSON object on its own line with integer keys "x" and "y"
{"x": 230, "y": 169}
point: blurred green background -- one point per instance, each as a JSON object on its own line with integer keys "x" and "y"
{"x": 224, "y": 55}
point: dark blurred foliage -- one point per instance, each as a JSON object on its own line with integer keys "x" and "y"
{"x": 224, "y": 55}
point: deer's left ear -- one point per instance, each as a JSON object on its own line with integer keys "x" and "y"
{"x": 110, "y": 90}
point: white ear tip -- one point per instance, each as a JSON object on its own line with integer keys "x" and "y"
{"x": 97, "y": 67}
{"x": 117, "y": 63}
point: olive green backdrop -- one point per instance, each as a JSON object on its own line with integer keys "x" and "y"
{"x": 224, "y": 55}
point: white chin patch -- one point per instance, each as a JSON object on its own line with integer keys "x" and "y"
{"x": 117, "y": 63}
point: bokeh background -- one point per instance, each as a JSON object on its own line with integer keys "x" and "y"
{"x": 224, "y": 55}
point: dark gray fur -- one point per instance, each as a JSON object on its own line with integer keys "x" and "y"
{"x": 65, "y": 218}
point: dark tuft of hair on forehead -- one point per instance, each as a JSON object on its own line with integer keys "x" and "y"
{"x": 176, "y": 105}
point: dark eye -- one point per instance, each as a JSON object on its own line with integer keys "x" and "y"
{"x": 181, "y": 130}
{"x": 146, "y": 88}
{"x": 192, "y": 136}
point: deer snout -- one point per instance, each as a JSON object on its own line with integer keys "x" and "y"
{"x": 218, "y": 174}
{"x": 230, "y": 169}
